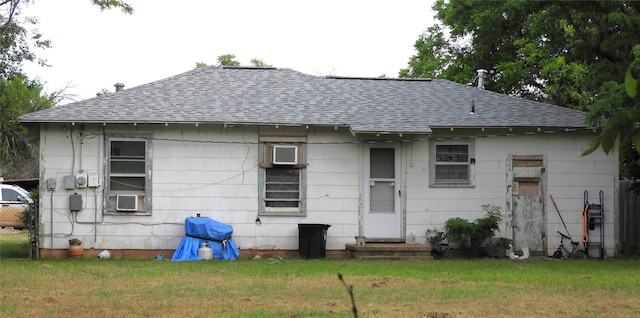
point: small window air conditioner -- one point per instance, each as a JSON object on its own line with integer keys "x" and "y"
{"x": 285, "y": 155}
{"x": 127, "y": 202}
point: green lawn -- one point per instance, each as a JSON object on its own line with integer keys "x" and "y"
{"x": 14, "y": 244}
{"x": 310, "y": 288}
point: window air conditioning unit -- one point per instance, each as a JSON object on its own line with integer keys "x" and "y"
{"x": 127, "y": 203}
{"x": 285, "y": 155}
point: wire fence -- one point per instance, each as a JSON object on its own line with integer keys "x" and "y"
{"x": 18, "y": 231}
{"x": 11, "y": 216}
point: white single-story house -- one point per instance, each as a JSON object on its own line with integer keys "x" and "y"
{"x": 266, "y": 149}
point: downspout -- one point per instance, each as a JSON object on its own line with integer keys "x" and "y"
{"x": 51, "y": 224}
{"x": 104, "y": 174}
{"x": 95, "y": 194}
{"x": 95, "y": 216}
{"x": 81, "y": 133}
{"x": 73, "y": 149}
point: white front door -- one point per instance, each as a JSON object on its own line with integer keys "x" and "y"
{"x": 382, "y": 217}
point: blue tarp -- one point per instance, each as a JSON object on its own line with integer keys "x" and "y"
{"x": 203, "y": 229}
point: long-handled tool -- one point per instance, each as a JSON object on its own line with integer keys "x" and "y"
{"x": 575, "y": 252}
{"x": 561, "y": 219}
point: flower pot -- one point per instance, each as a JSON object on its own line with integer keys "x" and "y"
{"x": 76, "y": 251}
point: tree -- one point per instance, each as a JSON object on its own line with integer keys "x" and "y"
{"x": 623, "y": 126}
{"x": 18, "y": 94}
{"x": 112, "y": 4}
{"x": 230, "y": 60}
{"x": 434, "y": 55}
{"x": 18, "y": 39}
{"x": 227, "y": 60}
{"x": 259, "y": 63}
{"x": 559, "y": 52}
{"x": 568, "y": 53}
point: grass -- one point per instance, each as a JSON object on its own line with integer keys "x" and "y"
{"x": 14, "y": 244}
{"x": 310, "y": 288}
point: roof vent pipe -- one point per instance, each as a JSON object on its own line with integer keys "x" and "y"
{"x": 481, "y": 73}
{"x": 119, "y": 87}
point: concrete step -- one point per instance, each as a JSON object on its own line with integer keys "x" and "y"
{"x": 388, "y": 251}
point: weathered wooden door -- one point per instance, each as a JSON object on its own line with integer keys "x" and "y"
{"x": 382, "y": 215}
{"x": 528, "y": 216}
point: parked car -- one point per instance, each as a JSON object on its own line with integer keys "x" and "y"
{"x": 13, "y": 201}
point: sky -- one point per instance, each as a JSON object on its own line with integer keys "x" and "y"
{"x": 93, "y": 50}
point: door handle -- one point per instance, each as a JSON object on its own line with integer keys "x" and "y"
{"x": 400, "y": 193}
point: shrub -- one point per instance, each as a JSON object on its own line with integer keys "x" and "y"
{"x": 471, "y": 235}
{"x": 458, "y": 230}
{"x": 27, "y": 216}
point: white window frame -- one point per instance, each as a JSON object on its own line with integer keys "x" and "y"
{"x": 265, "y": 151}
{"x": 434, "y": 163}
{"x": 144, "y": 195}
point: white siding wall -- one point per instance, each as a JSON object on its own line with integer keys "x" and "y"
{"x": 209, "y": 170}
{"x": 213, "y": 171}
{"x": 568, "y": 176}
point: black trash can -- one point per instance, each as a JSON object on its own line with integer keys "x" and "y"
{"x": 312, "y": 240}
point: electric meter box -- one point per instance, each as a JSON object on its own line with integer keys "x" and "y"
{"x": 94, "y": 182}
{"x": 75, "y": 202}
{"x": 70, "y": 182}
{"x": 81, "y": 180}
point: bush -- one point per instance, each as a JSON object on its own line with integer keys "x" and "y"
{"x": 27, "y": 216}
{"x": 458, "y": 230}
{"x": 471, "y": 235}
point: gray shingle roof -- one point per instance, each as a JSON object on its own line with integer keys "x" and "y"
{"x": 272, "y": 96}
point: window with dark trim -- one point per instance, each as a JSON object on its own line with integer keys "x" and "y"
{"x": 128, "y": 178}
{"x": 282, "y": 187}
{"x": 282, "y": 176}
{"x": 451, "y": 163}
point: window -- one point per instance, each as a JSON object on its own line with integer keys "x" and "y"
{"x": 451, "y": 163}
{"x": 128, "y": 175}
{"x": 10, "y": 195}
{"x": 282, "y": 176}
{"x": 282, "y": 187}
